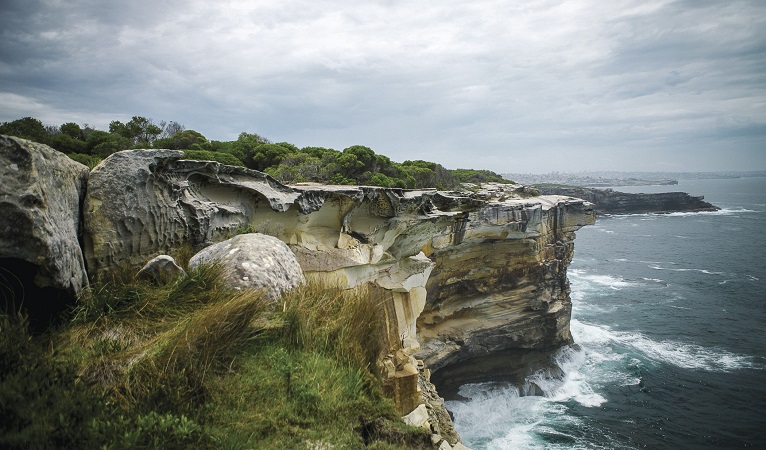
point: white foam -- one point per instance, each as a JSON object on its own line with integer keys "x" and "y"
{"x": 705, "y": 271}
{"x": 679, "y": 354}
{"x": 720, "y": 212}
{"x": 616, "y": 283}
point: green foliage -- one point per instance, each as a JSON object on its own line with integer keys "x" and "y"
{"x": 27, "y": 128}
{"x": 202, "y": 155}
{"x": 73, "y": 130}
{"x": 140, "y": 131}
{"x": 65, "y": 143}
{"x": 196, "y": 364}
{"x": 355, "y": 165}
{"x": 103, "y": 144}
{"x": 41, "y": 404}
{"x": 151, "y": 431}
{"x": 263, "y": 156}
{"x": 478, "y": 176}
{"x": 429, "y": 174}
{"x": 185, "y": 140}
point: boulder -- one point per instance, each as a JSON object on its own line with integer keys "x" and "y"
{"x": 40, "y": 202}
{"x": 254, "y": 261}
{"x": 144, "y": 202}
{"x": 161, "y": 269}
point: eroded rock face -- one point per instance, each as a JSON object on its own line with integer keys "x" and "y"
{"x": 498, "y": 301}
{"x": 40, "y": 197}
{"x": 254, "y": 261}
{"x": 485, "y": 271}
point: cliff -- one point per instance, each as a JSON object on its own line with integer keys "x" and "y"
{"x": 608, "y": 201}
{"x": 473, "y": 283}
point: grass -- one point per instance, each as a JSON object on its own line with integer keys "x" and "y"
{"x": 195, "y": 363}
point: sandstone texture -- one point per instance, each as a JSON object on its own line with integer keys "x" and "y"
{"x": 498, "y": 300}
{"x": 472, "y": 282}
{"x": 608, "y": 201}
{"x": 254, "y": 261}
{"x": 40, "y": 202}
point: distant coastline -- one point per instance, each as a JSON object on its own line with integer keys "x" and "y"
{"x": 616, "y": 179}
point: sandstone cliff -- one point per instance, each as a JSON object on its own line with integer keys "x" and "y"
{"x": 469, "y": 276}
{"x": 473, "y": 283}
{"x": 608, "y": 201}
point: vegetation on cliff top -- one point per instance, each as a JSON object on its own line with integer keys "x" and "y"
{"x": 195, "y": 363}
{"x": 357, "y": 165}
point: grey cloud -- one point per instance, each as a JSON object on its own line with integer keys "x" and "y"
{"x": 488, "y": 84}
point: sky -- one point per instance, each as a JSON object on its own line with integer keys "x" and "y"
{"x": 512, "y": 86}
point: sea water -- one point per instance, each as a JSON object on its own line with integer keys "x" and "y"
{"x": 669, "y": 313}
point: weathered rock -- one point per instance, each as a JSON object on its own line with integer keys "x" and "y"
{"x": 161, "y": 269}
{"x": 40, "y": 197}
{"x": 463, "y": 276}
{"x": 144, "y": 202}
{"x": 418, "y": 417}
{"x": 609, "y": 201}
{"x": 501, "y": 291}
{"x": 254, "y": 261}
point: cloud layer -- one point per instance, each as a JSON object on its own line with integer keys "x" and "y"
{"x": 528, "y": 86}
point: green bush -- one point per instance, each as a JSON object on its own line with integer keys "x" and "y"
{"x": 204, "y": 155}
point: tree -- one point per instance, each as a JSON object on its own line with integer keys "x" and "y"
{"x": 27, "y": 128}
{"x": 65, "y": 143}
{"x": 170, "y": 128}
{"x": 204, "y": 155}
{"x": 268, "y": 155}
{"x": 141, "y": 132}
{"x": 103, "y": 144}
{"x": 72, "y": 130}
{"x": 184, "y": 140}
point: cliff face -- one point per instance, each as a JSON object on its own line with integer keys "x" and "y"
{"x": 462, "y": 276}
{"x": 498, "y": 302}
{"x": 608, "y": 201}
{"x": 467, "y": 276}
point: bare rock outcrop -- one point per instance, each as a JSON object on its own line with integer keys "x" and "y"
{"x": 254, "y": 261}
{"x": 40, "y": 201}
{"x": 609, "y": 201}
{"x": 465, "y": 276}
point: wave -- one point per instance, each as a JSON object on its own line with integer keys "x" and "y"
{"x": 679, "y": 354}
{"x": 613, "y": 282}
{"x": 705, "y": 271}
{"x": 655, "y": 216}
{"x": 537, "y": 414}
{"x": 720, "y": 212}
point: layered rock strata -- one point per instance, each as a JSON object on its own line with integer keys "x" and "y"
{"x": 472, "y": 283}
{"x": 609, "y": 201}
{"x": 498, "y": 301}
{"x": 465, "y": 275}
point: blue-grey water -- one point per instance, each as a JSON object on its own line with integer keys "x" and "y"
{"x": 670, "y": 315}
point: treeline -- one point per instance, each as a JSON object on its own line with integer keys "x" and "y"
{"x": 355, "y": 165}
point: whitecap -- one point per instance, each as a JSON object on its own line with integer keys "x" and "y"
{"x": 720, "y": 212}
{"x": 613, "y": 282}
{"x": 679, "y": 354}
{"x": 705, "y": 271}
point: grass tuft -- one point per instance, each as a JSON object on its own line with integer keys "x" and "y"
{"x": 196, "y": 363}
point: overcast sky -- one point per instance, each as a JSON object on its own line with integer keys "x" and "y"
{"x": 511, "y": 86}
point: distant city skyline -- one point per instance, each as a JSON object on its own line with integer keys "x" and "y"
{"x": 513, "y": 87}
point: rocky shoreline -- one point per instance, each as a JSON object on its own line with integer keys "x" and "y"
{"x": 609, "y": 201}
{"x": 465, "y": 277}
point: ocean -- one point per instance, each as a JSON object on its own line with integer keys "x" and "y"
{"x": 669, "y": 313}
